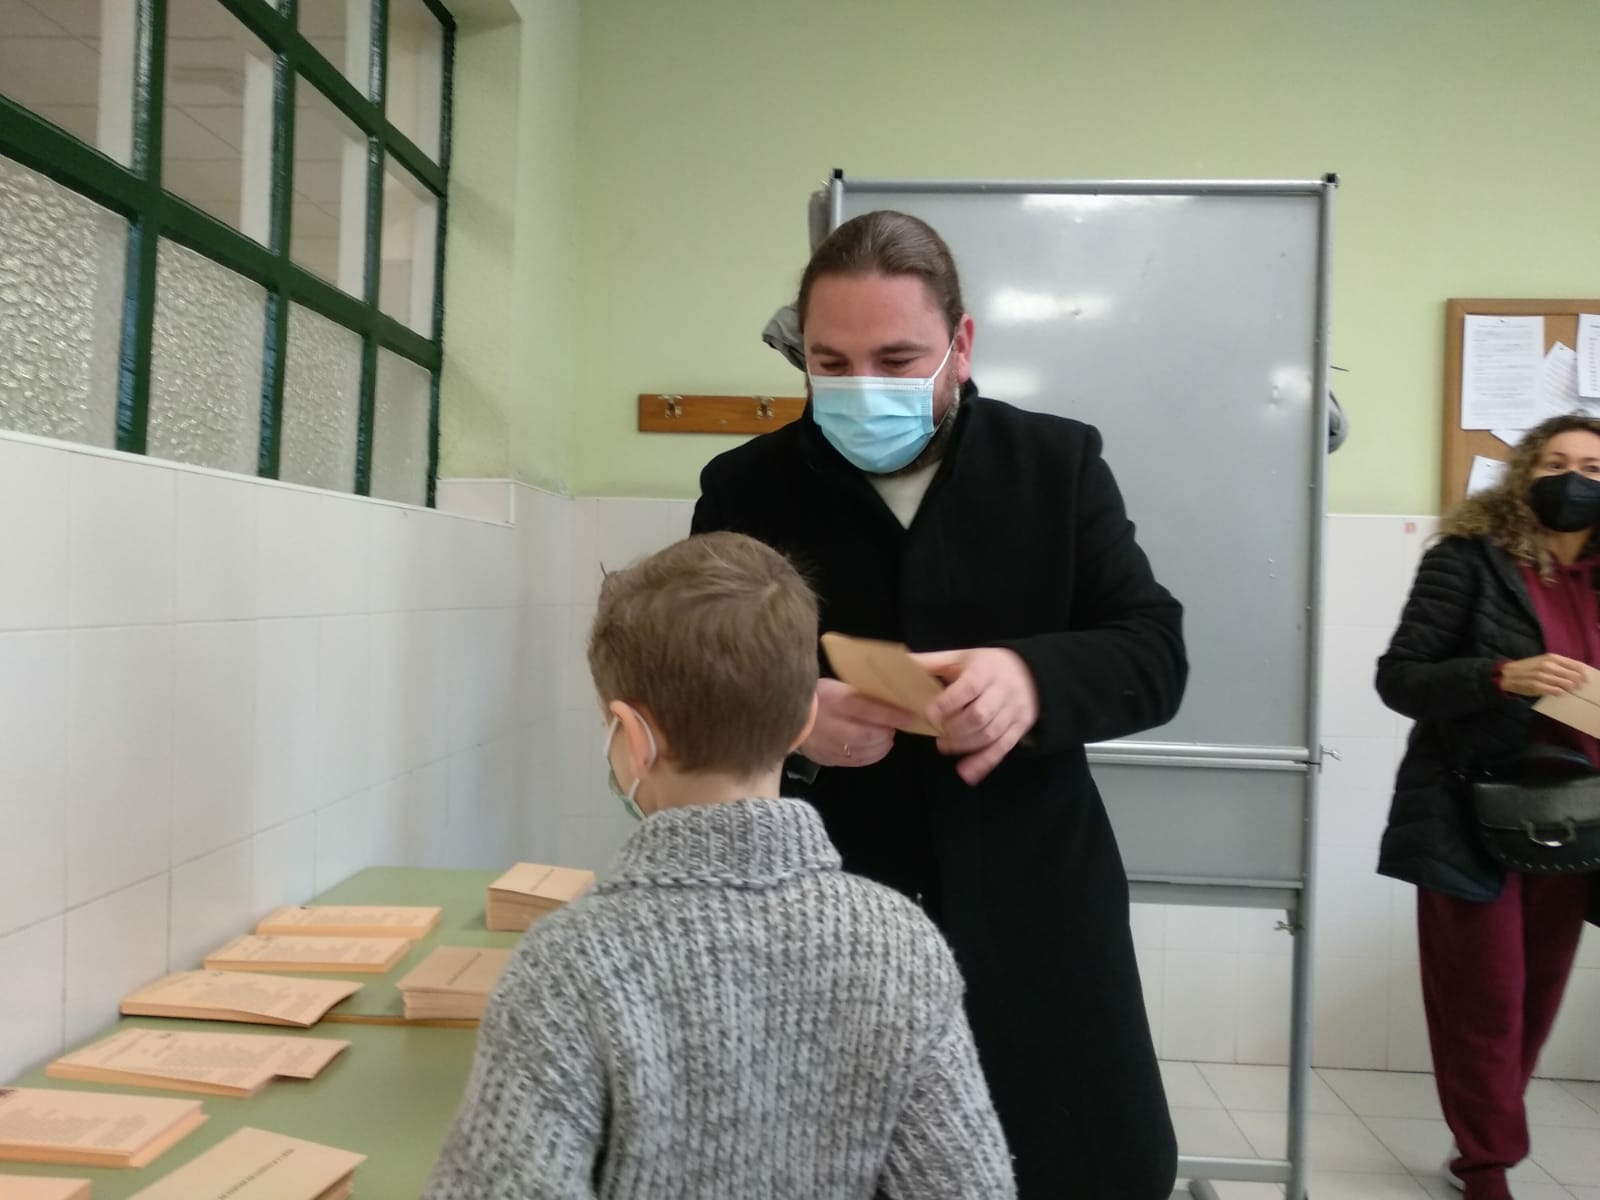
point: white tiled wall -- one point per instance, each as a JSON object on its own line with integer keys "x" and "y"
{"x": 566, "y": 566}
{"x": 218, "y": 695}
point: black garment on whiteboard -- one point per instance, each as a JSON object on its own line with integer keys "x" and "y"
{"x": 1021, "y": 541}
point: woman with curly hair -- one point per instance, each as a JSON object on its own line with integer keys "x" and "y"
{"x": 1503, "y": 611}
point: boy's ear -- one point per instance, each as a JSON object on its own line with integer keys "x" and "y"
{"x": 811, "y": 723}
{"x": 639, "y": 736}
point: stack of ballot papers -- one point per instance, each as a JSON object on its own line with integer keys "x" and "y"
{"x": 91, "y": 1129}
{"x": 214, "y": 1064}
{"x": 529, "y": 891}
{"x": 253, "y": 1164}
{"x": 341, "y": 955}
{"x": 452, "y": 984}
{"x": 351, "y": 921}
{"x": 235, "y": 996}
{"x": 42, "y": 1187}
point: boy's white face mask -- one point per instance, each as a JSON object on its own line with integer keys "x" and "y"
{"x": 628, "y": 797}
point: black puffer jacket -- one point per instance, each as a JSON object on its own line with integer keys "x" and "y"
{"x": 1468, "y": 610}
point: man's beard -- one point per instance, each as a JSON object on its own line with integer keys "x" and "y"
{"x": 937, "y": 444}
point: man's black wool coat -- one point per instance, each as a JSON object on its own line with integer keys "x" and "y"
{"x": 1021, "y": 541}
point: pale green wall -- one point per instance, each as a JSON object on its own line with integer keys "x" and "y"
{"x": 1462, "y": 130}
{"x": 506, "y": 391}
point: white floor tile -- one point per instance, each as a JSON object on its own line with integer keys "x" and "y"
{"x": 1229, "y": 1190}
{"x": 1385, "y": 1093}
{"x": 1549, "y": 1103}
{"x": 1209, "y": 1133}
{"x": 1533, "y": 1191}
{"x": 1441, "y": 1190}
{"x": 1338, "y": 1143}
{"x": 1572, "y": 1156}
{"x": 1350, "y": 1185}
{"x": 1186, "y": 1087}
{"x": 1584, "y": 1193}
{"x": 1265, "y": 1089}
{"x": 1422, "y": 1145}
{"x": 1584, "y": 1090}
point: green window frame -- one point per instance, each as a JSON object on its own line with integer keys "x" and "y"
{"x": 136, "y": 193}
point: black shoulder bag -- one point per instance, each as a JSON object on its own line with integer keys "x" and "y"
{"x": 1541, "y": 813}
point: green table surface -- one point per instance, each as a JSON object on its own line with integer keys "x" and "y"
{"x": 460, "y": 893}
{"x": 390, "y": 1096}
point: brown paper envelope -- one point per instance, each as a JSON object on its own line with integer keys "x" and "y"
{"x": 885, "y": 672}
{"x": 1571, "y": 709}
{"x": 253, "y": 1164}
{"x": 42, "y": 1187}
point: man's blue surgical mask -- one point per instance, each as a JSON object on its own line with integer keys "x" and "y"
{"x": 878, "y": 422}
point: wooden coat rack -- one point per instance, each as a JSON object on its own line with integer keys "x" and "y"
{"x": 671, "y": 412}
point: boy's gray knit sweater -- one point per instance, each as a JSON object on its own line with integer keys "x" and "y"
{"x": 730, "y": 1015}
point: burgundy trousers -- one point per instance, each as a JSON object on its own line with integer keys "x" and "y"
{"x": 1492, "y": 979}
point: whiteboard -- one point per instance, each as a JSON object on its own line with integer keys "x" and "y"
{"x": 1187, "y": 323}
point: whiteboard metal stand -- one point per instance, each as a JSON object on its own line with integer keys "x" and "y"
{"x": 1295, "y": 897}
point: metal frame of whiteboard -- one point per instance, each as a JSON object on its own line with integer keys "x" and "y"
{"x": 1291, "y": 883}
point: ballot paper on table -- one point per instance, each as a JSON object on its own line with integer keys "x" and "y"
{"x": 43, "y": 1187}
{"x": 253, "y": 1164}
{"x": 239, "y": 996}
{"x": 1579, "y": 708}
{"x": 885, "y": 672}
{"x": 351, "y": 921}
{"x": 91, "y": 1129}
{"x": 216, "y": 1064}
{"x": 267, "y": 952}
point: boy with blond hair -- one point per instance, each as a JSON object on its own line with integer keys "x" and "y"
{"x": 729, "y": 1014}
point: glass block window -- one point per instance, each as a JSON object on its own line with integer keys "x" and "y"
{"x": 205, "y": 366}
{"x": 321, "y": 402}
{"x": 220, "y": 244}
{"x": 61, "y": 288}
{"x": 400, "y": 456}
